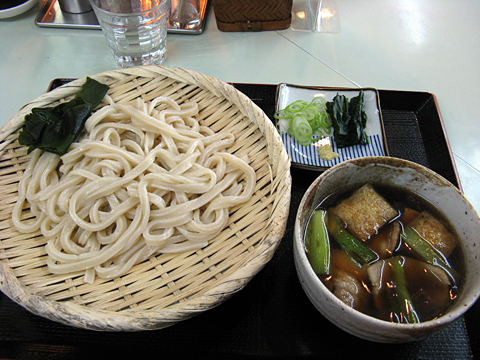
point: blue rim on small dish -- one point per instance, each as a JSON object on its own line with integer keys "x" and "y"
{"x": 307, "y": 156}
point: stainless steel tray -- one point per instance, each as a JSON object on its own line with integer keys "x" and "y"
{"x": 51, "y": 15}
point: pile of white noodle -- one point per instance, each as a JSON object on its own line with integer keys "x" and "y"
{"x": 145, "y": 179}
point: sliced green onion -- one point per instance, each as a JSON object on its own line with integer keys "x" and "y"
{"x": 315, "y": 123}
{"x": 311, "y": 111}
{"x": 314, "y": 112}
{"x": 325, "y": 121}
{"x": 281, "y": 115}
{"x": 296, "y": 106}
{"x": 317, "y": 243}
{"x": 320, "y": 102}
{"x": 301, "y": 129}
{"x": 283, "y": 125}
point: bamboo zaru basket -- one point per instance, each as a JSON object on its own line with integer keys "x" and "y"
{"x": 166, "y": 288}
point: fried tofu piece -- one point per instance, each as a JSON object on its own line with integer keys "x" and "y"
{"x": 432, "y": 230}
{"x": 365, "y": 212}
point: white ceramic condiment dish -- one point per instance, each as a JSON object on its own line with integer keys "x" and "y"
{"x": 420, "y": 180}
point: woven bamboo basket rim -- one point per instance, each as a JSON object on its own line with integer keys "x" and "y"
{"x": 166, "y": 288}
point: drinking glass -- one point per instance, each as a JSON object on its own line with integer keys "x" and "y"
{"x": 306, "y": 15}
{"x": 315, "y": 15}
{"x": 136, "y": 30}
{"x": 184, "y": 14}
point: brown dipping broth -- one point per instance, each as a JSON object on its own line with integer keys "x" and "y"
{"x": 429, "y": 300}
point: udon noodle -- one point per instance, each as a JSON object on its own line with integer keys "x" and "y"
{"x": 145, "y": 179}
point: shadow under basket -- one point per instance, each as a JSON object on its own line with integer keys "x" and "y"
{"x": 252, "y": 15}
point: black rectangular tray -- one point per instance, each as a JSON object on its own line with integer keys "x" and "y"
{"x": 271, "y": 317}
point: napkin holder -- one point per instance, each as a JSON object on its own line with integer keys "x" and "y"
{"x": 252, "y": 15}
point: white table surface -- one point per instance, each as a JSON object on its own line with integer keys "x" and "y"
{"x": 414, "y": 45}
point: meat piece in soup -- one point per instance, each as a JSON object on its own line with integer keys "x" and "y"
{"x": 365, "y": 212}
{"x": 347, "y": 280}
{"x": 387, "y": 240}
{"x": 428, "y": 287}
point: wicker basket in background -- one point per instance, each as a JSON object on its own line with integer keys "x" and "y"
{"x": 166, "y": 288}
{"x": 252, "y": 15}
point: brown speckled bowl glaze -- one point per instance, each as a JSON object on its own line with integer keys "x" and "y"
{"x": 420, "y": 180}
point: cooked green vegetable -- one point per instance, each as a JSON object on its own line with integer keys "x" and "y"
{"x": 317, "y": 243}
{"x": 400, "y": 297}
{"x": 53, "y": 129}
{"x": 354, "y": 247}
{"x": 349, "y": 120}
{"x": 426, "y": 251}
{"x": 359, "y": 116}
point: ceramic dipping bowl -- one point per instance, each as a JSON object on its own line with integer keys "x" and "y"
{"x": 419, "y": 180}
